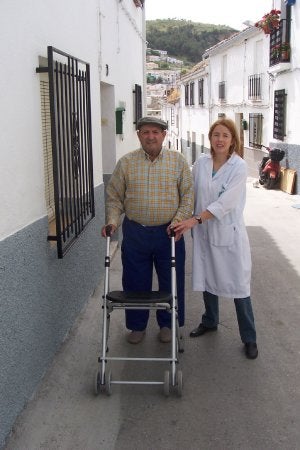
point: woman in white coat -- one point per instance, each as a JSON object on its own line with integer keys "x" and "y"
{"x": 221, "y": 251}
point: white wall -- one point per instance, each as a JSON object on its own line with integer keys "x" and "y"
{"x": 100, "y": 32}
{"x": 27, "y": 28}
{"x": 125, "y": 58}
{"x": 290, "y": 80}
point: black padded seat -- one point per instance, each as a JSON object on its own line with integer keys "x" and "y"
{"x": 139, "y": 297}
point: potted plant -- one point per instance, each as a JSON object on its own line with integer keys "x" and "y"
{"x": 276, "y": 51}
{"x": 285, "y": 51}
{"x": 270, "y": 21}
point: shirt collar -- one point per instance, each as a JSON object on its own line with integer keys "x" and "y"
{"x": 160, "y": 155}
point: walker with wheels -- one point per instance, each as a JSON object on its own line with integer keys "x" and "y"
{"x": 153, "y": 300}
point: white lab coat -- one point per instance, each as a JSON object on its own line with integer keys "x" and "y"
{"x": 221, "y": 251}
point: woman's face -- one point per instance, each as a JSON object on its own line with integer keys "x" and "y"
{"x": 221, "y": 140}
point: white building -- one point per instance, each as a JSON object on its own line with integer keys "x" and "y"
{"x": 69, "y": 107}
{"x": 247, "y": 79}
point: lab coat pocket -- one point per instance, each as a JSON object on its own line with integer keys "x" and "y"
{"x": 221, "y": 235}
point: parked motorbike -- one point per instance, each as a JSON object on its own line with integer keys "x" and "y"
{"x": 269, "y": 168}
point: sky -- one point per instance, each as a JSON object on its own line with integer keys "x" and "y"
{"x": 219, "y": 12}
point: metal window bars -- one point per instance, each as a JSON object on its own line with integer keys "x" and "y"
{"x": 71, "y": 136}
{"x": 255, "y": 87}
{"x": 279, "y": 114}
{"x": 255, "y": 130}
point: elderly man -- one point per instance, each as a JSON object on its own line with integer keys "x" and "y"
{"x": 153, "y": 187}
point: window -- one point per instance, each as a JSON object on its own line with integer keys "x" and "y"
{"x": 186, "y": 95}
{"x": 254, "y": 87}
{"x": 279, "y": 114}
{"x": 66, "y": 81}
{"x": 222, "y": 92}
{"x": 188, "y": 139}
{"x": 138, "y": 110}
{"x": 172, "y": 116}
{"x": 200, "y": 92}
{"x": 47, "y": 149}
{"x": 192, "y": 93}
{"x": 255, "y": 130}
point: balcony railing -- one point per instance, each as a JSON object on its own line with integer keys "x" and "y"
{"x": 280, "y": 44}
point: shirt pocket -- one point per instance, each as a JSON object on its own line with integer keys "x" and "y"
{"x": 221, "y": 235}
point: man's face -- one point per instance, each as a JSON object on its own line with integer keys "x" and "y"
{"x": 151, "y": 138}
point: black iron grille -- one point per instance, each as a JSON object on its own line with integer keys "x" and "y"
{"x": 255, "y": 130}
{"x": 279, "y": 114}
{"x": 71, "y": 136}
{"x": 255, "y": 87}
{"x": 138, "y": 107}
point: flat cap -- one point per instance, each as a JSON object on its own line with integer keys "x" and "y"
{"x": 152, "y": 121}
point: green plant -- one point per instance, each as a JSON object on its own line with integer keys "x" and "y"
{"x": 276, "y": 50}
{"x": 285, "y": 47}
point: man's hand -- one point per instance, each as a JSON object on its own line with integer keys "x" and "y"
{"x": 171, "y": 231}
{"x": 108, "y": 230}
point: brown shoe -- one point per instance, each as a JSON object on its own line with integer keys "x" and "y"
{"x": 135, "y": 337}
{"x": 165, "y": 335}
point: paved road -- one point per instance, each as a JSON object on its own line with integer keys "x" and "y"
{"x": 228, "y": 402}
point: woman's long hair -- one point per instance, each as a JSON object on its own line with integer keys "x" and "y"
{"x": 236, "y": 143}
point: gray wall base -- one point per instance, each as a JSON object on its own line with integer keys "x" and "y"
{"x": 41, "y": 297}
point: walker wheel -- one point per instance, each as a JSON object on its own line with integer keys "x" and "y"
{"x": 97, "y": 383}
{"x": 179, "y": 382}
{"x": 180, "y": 343}
{"x": 108, "y": 384}
{"x": 167, "y": 383}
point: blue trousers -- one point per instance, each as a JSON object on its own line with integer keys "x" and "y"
{"x": 244, "y": 314}
{"x": 144, "y": 248}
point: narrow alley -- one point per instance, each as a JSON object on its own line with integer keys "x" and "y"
{"x": 228, "y": 402}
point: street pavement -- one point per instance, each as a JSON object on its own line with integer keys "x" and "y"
{"x": 228, "y": 401}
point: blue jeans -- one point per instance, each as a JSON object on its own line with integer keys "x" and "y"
{"x": 244, "y": 314}
{"x": 142, "y": 249}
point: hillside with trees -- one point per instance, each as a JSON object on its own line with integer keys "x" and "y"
{"x": 184, "y": 39}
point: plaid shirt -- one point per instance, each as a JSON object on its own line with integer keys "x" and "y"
{"x": 150, "y": 192}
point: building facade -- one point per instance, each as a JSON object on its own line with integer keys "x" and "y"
{"x": 253, "y": 78}
{"x": 69, "y": 107}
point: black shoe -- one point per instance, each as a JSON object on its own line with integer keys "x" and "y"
{"x": 201, "y": 329}
{"x": 251, "y": 350}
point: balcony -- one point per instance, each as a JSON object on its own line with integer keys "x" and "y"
{"x": 280, "y": 49}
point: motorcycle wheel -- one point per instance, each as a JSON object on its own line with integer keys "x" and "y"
{"x": 271, "y": 183}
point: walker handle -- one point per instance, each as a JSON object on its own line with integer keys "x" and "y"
{"x": 172, "y": 232}
{"x": 108, "y": 230}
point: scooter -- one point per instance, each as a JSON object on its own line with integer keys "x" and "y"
{"x": 269, "y": 168}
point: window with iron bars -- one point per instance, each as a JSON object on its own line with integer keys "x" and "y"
{"x": 222, "y": 91}
{"x": 192, "y": 93}
{"x": 200, "y": 92}
{"x": 186, "y": 95}
{"x": 279, "y": 114}
{"x": 138, "y": 106}
{"x": 255, "y": 130}
{"x": 255, "y": 87}
{"x": 67, "y": 140}
{"x": 172, "y": 116}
